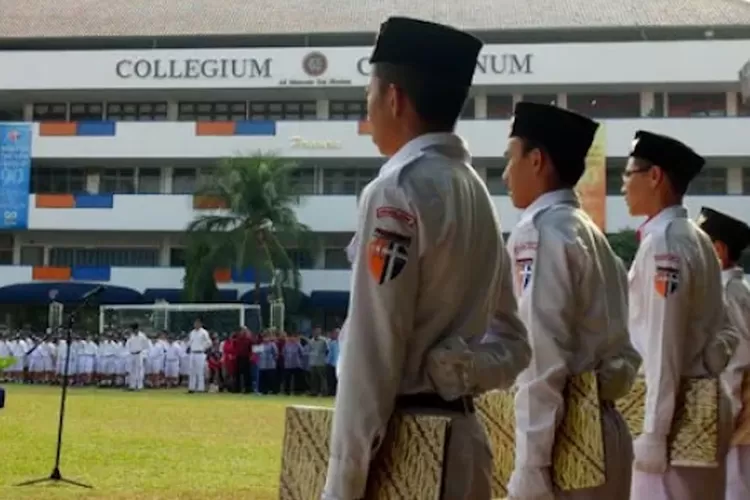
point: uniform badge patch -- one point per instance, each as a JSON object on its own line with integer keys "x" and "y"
{"x": 666, "y": 281}
{"x": 524, "y": 271}
{"x": 395, "y": 213}
{"x": 388, "y": 253}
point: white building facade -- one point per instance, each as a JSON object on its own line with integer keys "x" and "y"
{"x": 119, "y": 139}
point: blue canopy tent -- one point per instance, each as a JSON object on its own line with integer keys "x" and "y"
{"x": 330, "y": 299}
{"x": 66, "y": 292}
{"x": 174, "y": 295}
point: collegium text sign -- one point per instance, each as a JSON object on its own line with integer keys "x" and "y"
{"x": 519, "y": 66}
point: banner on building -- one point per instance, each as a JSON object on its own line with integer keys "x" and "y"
{"x": 15, "y": 175}
{"x": 592, "y": 188}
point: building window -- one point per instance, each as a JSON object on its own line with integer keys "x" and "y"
{"x": 499, "y": 106}
{"x": 746, "y": 180}
{"x": 606, "y": 105}
{"x": 743, "y": 108}
{"x": 117, "y": 181}
{"x": 86, "y": 111}
{"x": 11, "y": 114}
{"x": 541, "y": 98}
{"x": 54, "y": 112}
{"x": 284, "y": 110}
{"x": 614, "y": 181}
{"x": 469, "y": 109}
{"x": 709, "y": 181}
{"x": 189, "y": 180}
{"x": 102, "y": 257}
{"x": 176, "y": 257}
{"x": 137, "y": 111}
{"x": 348, "y": 110}
{"x": 45, "y": 180}
{"x": 32, "y": 255}
{"x": 149, "y": 181}
{"x": 745, "y": 261}
{"x": 495, "y": 184}
{"x": 301, "y": 259}
{"x": 683, "y": 105}
{"x": 349, "y": 181}
{"x": 303, "y": 180}
{"x": 658, "y": 110}
{"x": 335, "y": 258}
{"x": 212, "y": 111}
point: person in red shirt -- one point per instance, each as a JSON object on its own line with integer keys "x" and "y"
{"x": 229, "y": 360}
{"x": 241, "y": 345}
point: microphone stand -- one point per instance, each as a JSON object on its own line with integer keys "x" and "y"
{"x": 56, "y": 476}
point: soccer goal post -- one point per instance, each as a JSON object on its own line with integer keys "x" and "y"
{"x": 175, "y": 318}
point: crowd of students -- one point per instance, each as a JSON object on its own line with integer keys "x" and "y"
{"x": 261, "y": 363}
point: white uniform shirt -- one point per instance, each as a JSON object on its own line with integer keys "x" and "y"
{"x": 676, "y": 309}
{"x": 572, "y": 297}
{"x": 737, "y": 300}
{"x": 137, "y": 343}
{"x": 199, "y": 341}
{"x": 428, "y": 262}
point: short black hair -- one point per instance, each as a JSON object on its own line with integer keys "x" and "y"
{"x": 134, "y": 326}
{"x": 568, "y": 177}
{"x": 438, "y": 104}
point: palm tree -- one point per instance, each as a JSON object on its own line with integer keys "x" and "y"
{"x": 259, "y": 197}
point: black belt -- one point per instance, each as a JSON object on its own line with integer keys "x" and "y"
{"x": 196, "y": 352}
{"x": 429, "y": 400}
{"x": 134, "y": 353}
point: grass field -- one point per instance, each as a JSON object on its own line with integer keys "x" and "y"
{"x": 148, "y": 445}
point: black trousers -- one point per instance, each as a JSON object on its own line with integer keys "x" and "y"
{"x": 267, "y": 381}
{"x": 332, "y": 380}
{"x": 243, "y": 380}
{"x": 293, "y": 380}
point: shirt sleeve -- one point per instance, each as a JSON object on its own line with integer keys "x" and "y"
{"x": 547, "y": 307}
{"x": 504, "y": 350}
{"x": 666, "y": 295}
{"x": 737, "y": 304}
{"x": 381, "y": 319}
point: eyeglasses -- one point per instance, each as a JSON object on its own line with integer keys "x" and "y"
{"x": 627, "y": 174}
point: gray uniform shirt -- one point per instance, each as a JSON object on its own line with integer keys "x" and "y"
{"x": 428, "y": 262}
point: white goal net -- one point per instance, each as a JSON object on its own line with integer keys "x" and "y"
{"x": 176, "y": 318}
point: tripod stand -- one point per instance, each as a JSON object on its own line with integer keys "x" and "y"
{"x": 56, "y": 476}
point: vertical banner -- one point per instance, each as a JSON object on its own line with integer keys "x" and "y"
{"x": 15, "y": 175}
{"x": 592, "y": 188}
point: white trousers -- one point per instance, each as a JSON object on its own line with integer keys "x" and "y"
{"x": 738, "y": 473}
{"x": 135, "y": 377}
{"x": 172, "y": 368}
{"x": 197, "y": 380}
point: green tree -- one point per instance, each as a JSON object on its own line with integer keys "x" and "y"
{"x": 625, "y": 244}
{"x": 259, "y": 222}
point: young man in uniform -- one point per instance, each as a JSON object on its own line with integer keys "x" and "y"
{"x": 731, "y": 237}
{"x": 199, "y": 342}
{"x": 136, "y": 346}
{"x": 429, "y": 264}
{"x": 677, "y": 317}
{"x": 571, "y": 296}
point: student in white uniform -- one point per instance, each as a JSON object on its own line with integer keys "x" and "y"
{"x": 136, "y": 345}
{"x": 87, "y": 360}
{"x": 172, "y": 364}
{"x": 36, "y": 362}
{"x": 156, "y": 357}
{"x": 184, "y": 362}
{"x": 677, "y": 319}
{"x": 48, "y": 362}
{"x": 18, "y": 348}
{"x": 731, "y": 237}
{"x": 198, "y": 343}
{"x": 123, "y": 362}
{"x": 4, "y": 353}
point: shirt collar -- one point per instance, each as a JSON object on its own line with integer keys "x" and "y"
{"x": 416, "y": 146}
{"x": 566, "y": 196}
{"x": 663, "y": 218}
{"x": 734, "y": 272}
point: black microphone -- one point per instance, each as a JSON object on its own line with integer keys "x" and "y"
{"x": 93, "y": 293}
